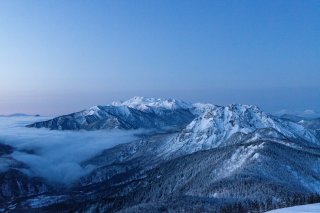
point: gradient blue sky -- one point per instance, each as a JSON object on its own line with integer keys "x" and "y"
{"x": 62, "y": 56}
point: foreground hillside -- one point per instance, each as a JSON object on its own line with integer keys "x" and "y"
{"x": 310, "y": 208}
{"x": 183, "y": 158}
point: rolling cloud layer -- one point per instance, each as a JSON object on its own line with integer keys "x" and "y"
{"x": 56, "y": 155}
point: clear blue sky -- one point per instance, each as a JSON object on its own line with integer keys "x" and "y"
{"x": 62, "y": 56}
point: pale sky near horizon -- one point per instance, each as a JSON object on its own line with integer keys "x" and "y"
{"x": 58, "y": 57}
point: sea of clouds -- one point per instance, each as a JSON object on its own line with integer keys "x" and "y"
{"x": 55, "y": 155}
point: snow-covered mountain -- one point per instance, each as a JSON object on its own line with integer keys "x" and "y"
{"x": 217, "y": 126}
{"x": 207, "y": 125}
{"x": 202, "y": 157}
{"x": 135, "y": 113}
{"x": 153, "y": 104}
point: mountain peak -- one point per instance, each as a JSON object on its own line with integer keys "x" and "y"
{"x": 243, "y": 107}
{"x": 144, "y": 103}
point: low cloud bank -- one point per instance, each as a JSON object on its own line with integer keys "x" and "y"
{"x": 56, "y": 155}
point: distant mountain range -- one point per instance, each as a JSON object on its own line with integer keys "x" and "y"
{"x": 307, "y": 114}
{"x": 18, "y": 115}
{"x": 193, "y": 158}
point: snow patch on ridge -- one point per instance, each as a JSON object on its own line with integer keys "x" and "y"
{"x": 145, "y": 104}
